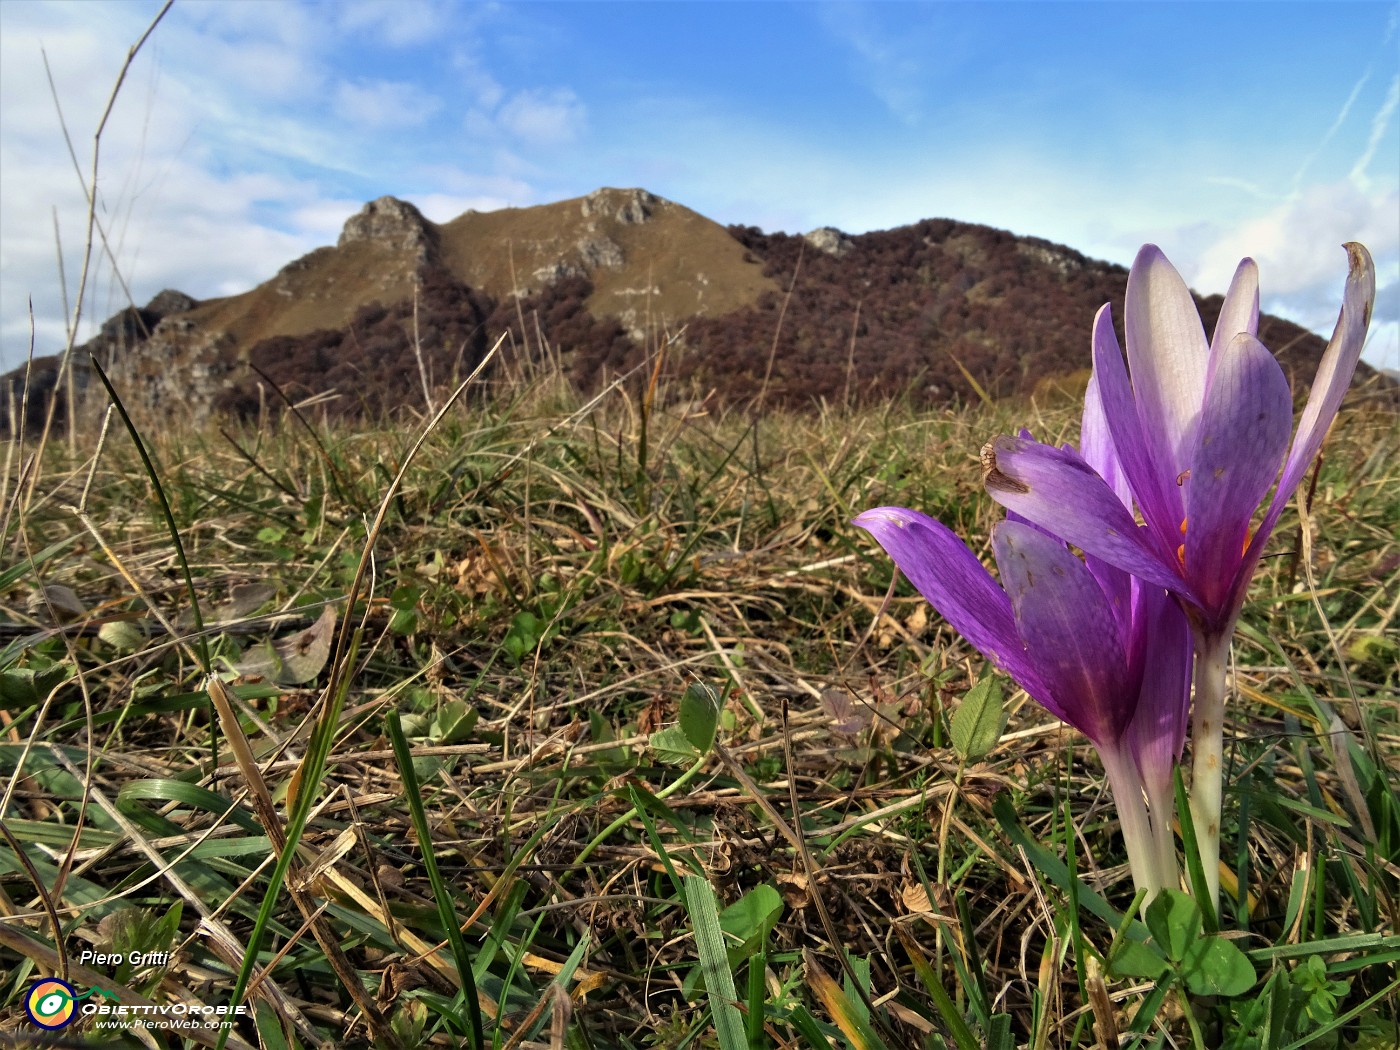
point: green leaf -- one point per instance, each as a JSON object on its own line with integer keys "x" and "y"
{"x": 1130, "y": 958}
{"x": 749, "y": 920}
{"x": 26, "y": 687}
{"x": 672, "y": 746}
{"x": 1214, "y": 966}
{"x": 123, "y": 636}
{"x": 163, "y": 791}
{"x": 455, "y": 722}
{"x": 979, "y": 720}
{"x": 700, "y": 708}
{"x": 1175, "y": 921}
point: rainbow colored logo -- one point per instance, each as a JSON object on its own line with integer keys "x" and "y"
{"x": 51, "y": 1003}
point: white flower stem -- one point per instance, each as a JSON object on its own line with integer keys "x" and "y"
{"x": 1126, "y": 782}
{"x": 1208, "y": 758}
{"x": 1161, "y": 804}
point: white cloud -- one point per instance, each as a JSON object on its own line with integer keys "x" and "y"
{"x": 321, "y": 220}
{"x": 237, "y": 144}
{"x": 543, "y": 117}
{"x": 176, "y": 211}
{"x": 1244, "y": 186}
{"x": 893, "y": 66}
{"x": 1298, "y": 244}
{"x": 1380, "y": 126}
{"x": 256, "y": 52}
{"x": 1337, "y": 124}
{"x": 1302, "y": 267}
{"x": 444, "y": 207}
{"x": 384, "y": 103}
{"x": 397, "y": 23}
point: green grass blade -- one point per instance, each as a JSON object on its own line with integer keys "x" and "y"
{"x": 714, "y": 963}
{"x": 201, "y": 642}
{"x": 753, "y": 1023}
{"x": 1054, "y": 869}
{"x": 441, "y": 895}
{"x": 947, "y": 1009}
{"x": 1196, "y": 875}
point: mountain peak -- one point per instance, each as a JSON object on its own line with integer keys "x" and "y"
{"x": 630, "y": 207}
{"x": 392, "y": 222}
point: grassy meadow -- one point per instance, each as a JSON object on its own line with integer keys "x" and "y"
{"x": 592, "y": 722}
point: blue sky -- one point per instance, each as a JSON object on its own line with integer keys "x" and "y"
{"x": 249, "y": 130}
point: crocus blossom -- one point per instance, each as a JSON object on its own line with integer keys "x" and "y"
{"x": 1112, "y": 659}
{"x": 1202, "y": 435}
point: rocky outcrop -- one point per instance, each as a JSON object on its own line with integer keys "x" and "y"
{"x": 394, "y": 223}
{"x": 629, "y": 207}
{"x": 1064, "y": 261}
{"x": 130, "y": 340}
{"x": 134, "y": 325}
{"x": 600, "y": 253}
{"x": 171, "y": 302}
{"x": 557, "y": 271}
{"x": 830, "y": 240}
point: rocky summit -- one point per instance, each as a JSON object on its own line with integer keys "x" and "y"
{"x": 938, "y": 310}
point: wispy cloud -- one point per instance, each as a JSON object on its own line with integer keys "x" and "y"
{"x": 1381, "y": 124}
{"x": 1248, "y": 186}
{"x": 886, "y": 63}
{"x": 543, "y": 117}
{"x": 397, "y": 25}
{"x": 384, "y": 103}
{"x": 241, "y": 140}
{"x": 1331, "y": 132}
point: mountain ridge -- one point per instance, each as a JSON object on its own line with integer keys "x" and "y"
{"x": 938, "y": 309}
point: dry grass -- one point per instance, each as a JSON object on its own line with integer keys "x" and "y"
{"x": 550, "y": 578}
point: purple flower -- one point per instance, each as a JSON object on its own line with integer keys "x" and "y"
{"x": 1201, "y": 435}
{"x": 1107, "y": 655}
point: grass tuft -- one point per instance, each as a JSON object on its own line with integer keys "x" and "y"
{"x": 643, "y": 745}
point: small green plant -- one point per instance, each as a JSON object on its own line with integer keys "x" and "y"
{"x": 144, "y": 940}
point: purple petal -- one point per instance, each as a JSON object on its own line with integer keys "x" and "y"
{"x": 1158, "y": 729}
{"x": 1096, "y": 444}
{"x": 1243, "y": 434}
{"x": 1155, "y": 487}
{"x": 1068, "y": 626}
{"x": 956, "y": 584}
{"x": 1096, "y": 448}
{"x": 1330, "y": 384}
{"x": 1058, "y": 491}
{"x": 1167, "y": 355}
{"x": 1239, "y": 313}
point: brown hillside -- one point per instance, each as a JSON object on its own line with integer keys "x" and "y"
{"x": 645, "y": 256}
{"x": 377, "y": 259}
{"x": 938, "y": 310}
{"x": 919, "y": 308}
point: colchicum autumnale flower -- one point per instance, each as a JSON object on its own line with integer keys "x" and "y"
{"x": 1104, "y": 652}
{"x": 1201, "y": 433}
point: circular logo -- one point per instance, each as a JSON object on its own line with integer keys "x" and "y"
{"x": 50, "y": 1003}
